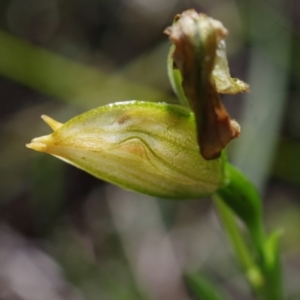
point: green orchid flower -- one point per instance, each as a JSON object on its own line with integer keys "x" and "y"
{"x": 147, "y": 147}
{"x": 154, "y": 148}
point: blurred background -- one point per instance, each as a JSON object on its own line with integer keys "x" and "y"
{"x": 67, "y": 235}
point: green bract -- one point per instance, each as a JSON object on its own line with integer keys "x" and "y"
{"x": 143, "y": 146}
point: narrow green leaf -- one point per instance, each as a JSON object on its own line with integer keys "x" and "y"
{"x": 66, "y": 79}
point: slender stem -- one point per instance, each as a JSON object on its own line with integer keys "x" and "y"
{"x": 240, "y": 199}
{"x": 240, "y": 248}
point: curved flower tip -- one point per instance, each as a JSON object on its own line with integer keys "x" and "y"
{"x": 146, "y": 147}
{"x": 37, "y": 145}
{"x": 41, "y": 143}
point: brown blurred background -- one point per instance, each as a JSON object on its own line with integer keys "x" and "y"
{"x": 67, "y": 235}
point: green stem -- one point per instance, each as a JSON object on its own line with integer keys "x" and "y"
{"x": 242, "y": 197}
{"x": 244, "y": 256}
{"x": 262, "y": 267}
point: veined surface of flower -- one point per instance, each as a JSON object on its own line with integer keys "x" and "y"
{"x": 142, "y": 146}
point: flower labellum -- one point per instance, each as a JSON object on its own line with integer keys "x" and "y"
{"x": 143, "y": 146}
{"x": 199, "y": 53}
